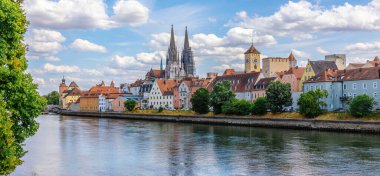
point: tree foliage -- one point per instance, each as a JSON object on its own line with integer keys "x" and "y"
{"x": 362, "y": 105}
{"x": 310, "y": 104}
{"x": 237, "y": 107}
{"x": 8, "y": 156}
{"x": 260, "y": 106}
{"x": 52, "y": 98}
{"x": 17, "y": 90}
{"x": 130, "y": 105}
{"x": 200, "y": 101}
{"x": 221, "y": 95}
{"x": 279, "y": 95}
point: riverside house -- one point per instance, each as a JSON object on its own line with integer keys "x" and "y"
{"x": 343, "y": 85}
{"x": 161, "y": 94}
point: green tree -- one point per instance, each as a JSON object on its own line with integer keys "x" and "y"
{"x": 221, "y": 95}
{"x": 260, "y": 106}
{"x": 17, "y": 90}
{"x": 8, "y": 156}
{"x": 130, "y": 105}
{"x": 310, "y": 104}
{"x": 200, "y": 101}
{"x": 362, "y": 105}
{"x": 279, "y": 95}
{"x": 237, "y": 107}
{"x": 52, "y": 98}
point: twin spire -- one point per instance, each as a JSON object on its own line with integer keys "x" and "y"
{"x": 172, "y": 40}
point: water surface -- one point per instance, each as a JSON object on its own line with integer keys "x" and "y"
{"x": 71, "y": 146}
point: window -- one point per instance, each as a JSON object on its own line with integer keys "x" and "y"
{"x": 354, "y": 86}
{"x": 375, "y": 95}
{"x": 353, "y": 95}
{"x": 311, "y": 87}
{"x": 375, "y": 85}
{"x": 364, "y": 85}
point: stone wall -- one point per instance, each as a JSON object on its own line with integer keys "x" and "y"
{"x": 307, "y": 124}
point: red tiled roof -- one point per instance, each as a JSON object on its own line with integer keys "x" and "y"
{"x": 297, "y": 71}
{"x": 263, "y": 83}
{"x": 347, "y": 75}
{"x": 240, "y": 82}
{"x": 73, "y": 92}
{"x": 166, "y": 85}
{"x": 291, "y": 57}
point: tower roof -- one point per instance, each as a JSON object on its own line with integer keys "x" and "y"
{"x": 291, "y": 57}
{"x": 73, "y": 84}
{"x": 172, "y": 41}
{"x": 252, "y": 49}
{"x": 186, "y": 45}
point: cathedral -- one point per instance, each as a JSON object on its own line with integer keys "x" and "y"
{"x": 179, "y": 68}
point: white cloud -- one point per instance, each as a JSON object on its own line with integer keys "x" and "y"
{"x": 50, "y": 68}
{"x": 151, "y": 58}
{"x": 42, "y": 42}
{"x": 223, "y": 67}
{"x": 300, "y": 54}
{"x": 306, "y": 18}
{"x": 39, "y": 81}
{"x": 85, "y": 45}
{"x": 300, "y": 37}
{"x": 84, "y": 14}
{"x": 131, "y": 12}
{"x": 126, "y": 62}
{"x": 322, "y": 51}
{"x": 52, "y": 58}
{"x": 368, "y": 46}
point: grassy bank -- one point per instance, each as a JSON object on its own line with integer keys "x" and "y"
{"x": 286, "y": 115}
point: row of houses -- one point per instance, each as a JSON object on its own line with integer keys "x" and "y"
{"x": 156, "y": 91}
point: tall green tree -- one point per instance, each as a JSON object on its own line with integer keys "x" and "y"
{"x": 279, "y": 95}
{"x": 200, "y": 101}
{"x": 260, "y": 106}
{"x": 310, "y": 103}
{"x": 52, "y": 98}
{"x": 17, "y": 90}
{"x": 362, "y": 105}
{"x": 220, "y": 95}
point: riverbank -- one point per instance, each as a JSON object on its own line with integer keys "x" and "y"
{"x": 305, "y": 124}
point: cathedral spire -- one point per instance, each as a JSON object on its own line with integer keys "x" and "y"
{"x": 161, "y": 65}
{"x": 172, "y": 41}
{"x": 187, "y": 45}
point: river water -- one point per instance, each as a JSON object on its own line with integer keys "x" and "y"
{"x": 73, "y": 146}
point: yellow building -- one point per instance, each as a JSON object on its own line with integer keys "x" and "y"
{"x": 315, "y": 67}
{"x": 252, "y": 60}
{"x": 89, "y": 102}
{"x": 271, "y": 65}
{"x": 68, "y": 94}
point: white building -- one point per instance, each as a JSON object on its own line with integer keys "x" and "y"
{"x": 161, "y": 94}
{"x": 102, "y": 103}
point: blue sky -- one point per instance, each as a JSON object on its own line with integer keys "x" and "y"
{"x": 91, "y": 41}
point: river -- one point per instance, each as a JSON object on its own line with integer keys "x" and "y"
{"x": 71, "y": 146}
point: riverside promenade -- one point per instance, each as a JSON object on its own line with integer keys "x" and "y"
{"x": 305, "y": 124}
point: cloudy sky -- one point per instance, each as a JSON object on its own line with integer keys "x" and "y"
{"x": 88, "y": 41}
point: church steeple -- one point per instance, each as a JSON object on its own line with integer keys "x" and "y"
{"x": 172, "y": 41}
{"x": 186, "y": 45}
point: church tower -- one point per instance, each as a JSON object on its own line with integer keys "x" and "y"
{"x": 292, "y": 60}
{"x": 172, "y": 67}
{"x": 62, "y": 88}
{"x": 187, "y": 58}
{"x": 252, "y": 60}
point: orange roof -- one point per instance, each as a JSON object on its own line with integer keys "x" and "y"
{"x": 297, "y": 71}
{"x": 291, "y": 57}
{"x": 240, "y": 82}
{"x": 166, "y": 85}
{"x": 229, "y": 71}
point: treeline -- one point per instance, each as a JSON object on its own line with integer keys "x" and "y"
{"x": 278, "y": 96}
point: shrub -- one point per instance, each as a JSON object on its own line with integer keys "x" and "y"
{"x": 220, "y": 95}
{"x": 362, "y": 105}
{"x": 260, "y": 106}
{"x": 237, "y": 107}
{"x": 160, "y": 109}
{"x": 310, "y": 104}
{"x": 200, "y": 101}
{"x": 130, "y": 105}
{"x": 279, "y": 95}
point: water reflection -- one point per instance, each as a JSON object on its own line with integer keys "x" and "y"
{"x": 67, "y": 145}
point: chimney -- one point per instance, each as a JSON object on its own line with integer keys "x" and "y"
{"x": 296, "y": 67}
{"x": 344, "y": 71}
{"x": 360, "y": 69}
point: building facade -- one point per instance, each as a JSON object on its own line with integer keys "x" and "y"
{"x": 339, "y": 59}
{"x": 271, "y": 65}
